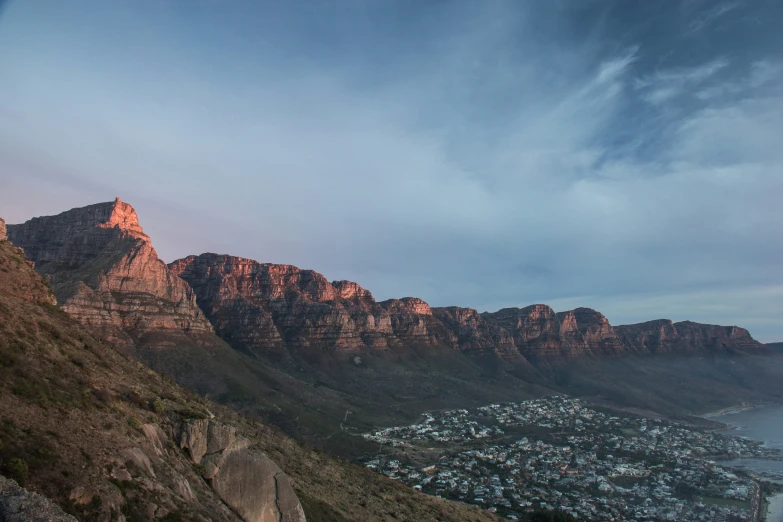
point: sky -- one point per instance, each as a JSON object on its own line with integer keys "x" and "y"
{"x": 623, "y": 155}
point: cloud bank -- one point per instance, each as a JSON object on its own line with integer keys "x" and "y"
{"x": 496, "y": 154}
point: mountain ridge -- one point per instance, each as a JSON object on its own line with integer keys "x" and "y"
{"x": 357, "y": 321}
{"x": 536, "y": 330}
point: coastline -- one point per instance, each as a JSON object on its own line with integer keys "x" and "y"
{"x": 739, "y": 408}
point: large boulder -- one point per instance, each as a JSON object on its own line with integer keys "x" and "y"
{"x": 242, "y": 476}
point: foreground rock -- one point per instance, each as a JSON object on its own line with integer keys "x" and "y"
{"x": 19, "y": 505}
{"x": 243, "y": 477}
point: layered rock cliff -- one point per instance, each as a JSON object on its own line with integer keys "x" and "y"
{"x": 538, "y": 332}
{"x": 665, "y": 336}
{"x": 474, "y": 334}
{"x": 267, "y": 309}
{"x": 264, "y": 308}
{"x": 105, "y": 273}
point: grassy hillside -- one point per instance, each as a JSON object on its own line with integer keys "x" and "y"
{"x": 95, "y": 431}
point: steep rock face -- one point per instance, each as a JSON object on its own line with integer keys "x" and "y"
{"x": 593, "y": 331}
{"x": 473, "y": 334}
{"x": 535, "y": 330}
{"x": 659, "y": 336}
{"x": 538, "y": 332}
{"x": 105, "y": 272}
{"x": 716, "y": 337}
{"x": 243, "y": 477}
{"x": 264, "y": 308}
{"x": 664, "y": 336}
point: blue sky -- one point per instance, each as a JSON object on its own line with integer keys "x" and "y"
{"x": 622, "y": 155}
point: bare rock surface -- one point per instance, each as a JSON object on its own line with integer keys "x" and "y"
{"x": 243, "y": 477}
{"x": 268, "y": 308}
{"x": 19, "y": 505}
{"x": 3, "y": 235}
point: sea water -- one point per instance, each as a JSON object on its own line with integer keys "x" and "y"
{"x": 764, "y": 424}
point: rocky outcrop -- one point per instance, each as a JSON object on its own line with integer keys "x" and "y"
{"x": 538, "y": 332}
{"x": 105, "y": 273}
{"x": 665, "y": 336}
{"x": 19, "y": 505}
{"x": 473, "y": 334}
{"x": 534, "y": 329}
{"x": 248, "y": 481}
{"x": 3, "y": 236}
{"x": 592, "y": 332}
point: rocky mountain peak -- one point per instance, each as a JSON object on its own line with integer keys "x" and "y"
{"x": 120, "y": 215}
{"x": 105, "y": 272}
{"x": 116, "y": 218}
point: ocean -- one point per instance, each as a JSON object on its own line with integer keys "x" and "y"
{"x": 764, "y": 424}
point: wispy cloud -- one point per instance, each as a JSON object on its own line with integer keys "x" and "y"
{"x": 711, "y": 15}
{"x": 666, "y": 84}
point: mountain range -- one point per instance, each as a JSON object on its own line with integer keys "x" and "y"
{"x": 105, "y": 438}
{"x": 302, "y": 352}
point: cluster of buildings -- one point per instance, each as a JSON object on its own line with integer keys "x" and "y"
{"x": 558, "y": 453}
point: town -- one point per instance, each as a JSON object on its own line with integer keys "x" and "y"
{"x": 560, "y": 453}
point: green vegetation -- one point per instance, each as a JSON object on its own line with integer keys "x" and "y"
{"x": 17, "y": 469}
{"x": 156, "y": 405}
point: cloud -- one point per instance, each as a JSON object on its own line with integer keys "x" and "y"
{"x": 711, "y": 15}
{"x": 664, "y": 85}
{"x": 480, "y": 154}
